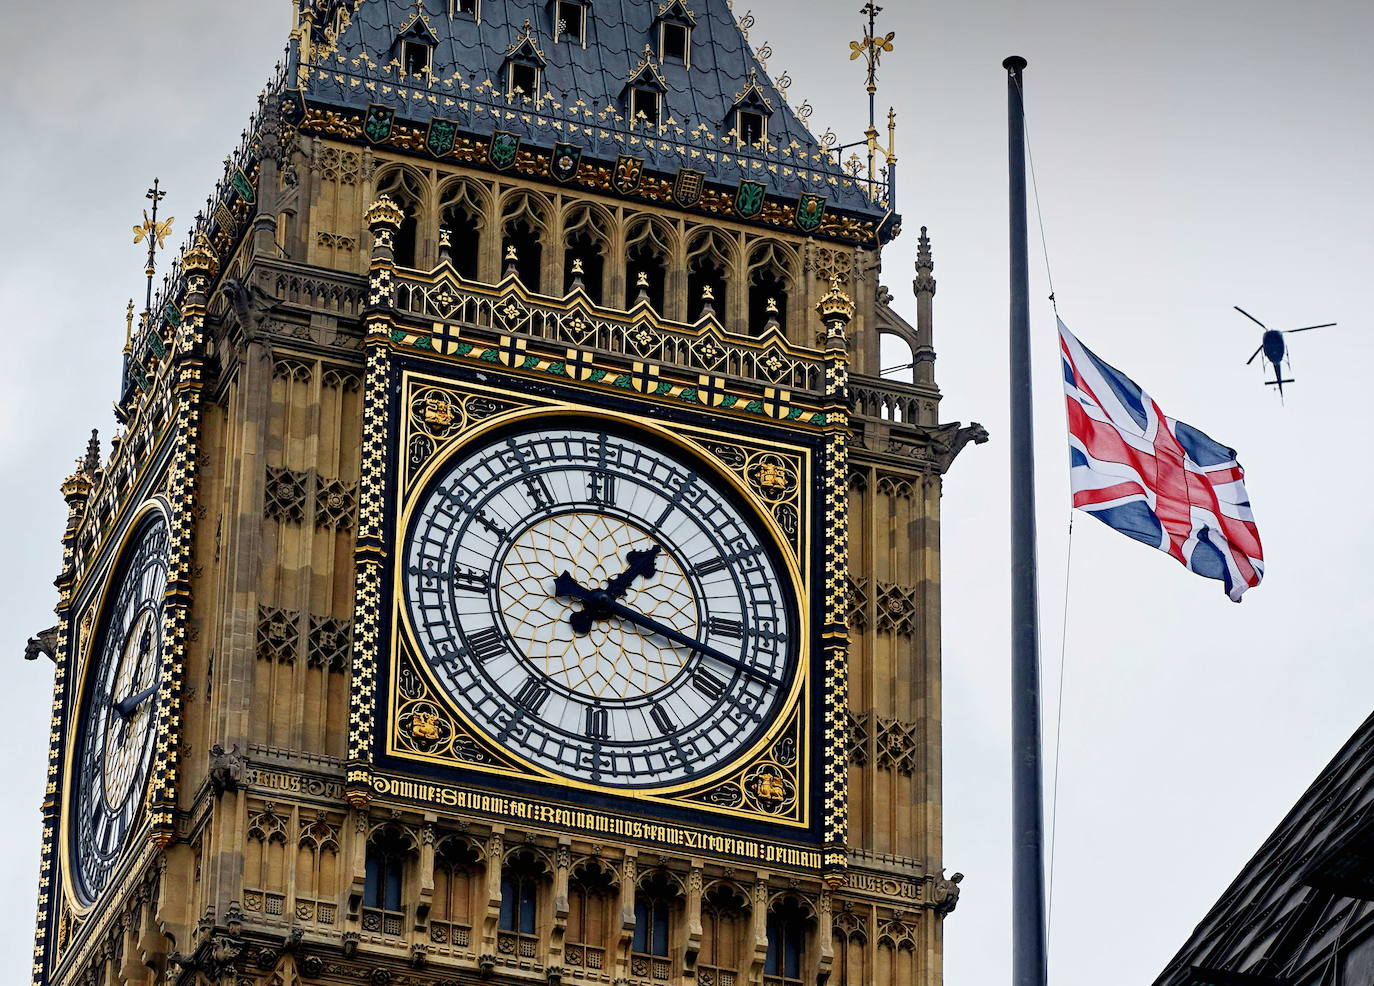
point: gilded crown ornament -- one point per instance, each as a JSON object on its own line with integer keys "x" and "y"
{"x": 384, "y": 212}
{"x": 835, "y": 305}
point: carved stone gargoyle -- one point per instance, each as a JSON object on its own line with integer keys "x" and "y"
{"x": 226, "y": 769}
{"x": 45, "y": 643}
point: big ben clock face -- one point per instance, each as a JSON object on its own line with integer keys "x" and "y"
{"x": 599, "y": 606}
{"x": 115, "y": 732}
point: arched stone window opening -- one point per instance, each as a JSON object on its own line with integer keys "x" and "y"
{"x": 584, "y": 255}
{"x": 389, "y": 850}
{"x": 592, "y": 898}
{"x": 463, "y": 217}
{"x": 770, "y": 283}
{"x": 656, "y": 904}
{"x": 709, "y": 260}
{"x": 406, "y": 190}
{"x": 724, "y": 924}
{"x": 317, "y": 852}
{"x": 850, "y": 940}
{"x": 522, "y": 229}
{"x": 897, "y": 356}
{"x": 521, "y": 880}
{"x": 457, "y": 883}
{"x": 788, "y": 923}
{"x": 646, "y": 264}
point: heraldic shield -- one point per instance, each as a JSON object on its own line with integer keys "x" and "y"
{"x": 377, "y": 125}
{"x": 564, "y": 161}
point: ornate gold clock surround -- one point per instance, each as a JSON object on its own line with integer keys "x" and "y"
{"x": 772, "y": 782}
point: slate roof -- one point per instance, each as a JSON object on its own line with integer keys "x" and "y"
{"x": 1292, "y": 909}
{"x": 586, "y": 84}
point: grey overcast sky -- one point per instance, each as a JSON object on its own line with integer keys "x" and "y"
{"x": 1192, "y": 155}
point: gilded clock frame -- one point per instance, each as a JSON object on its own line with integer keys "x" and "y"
{"x": 94, "y": 611}
{"x": 790, "y": 770}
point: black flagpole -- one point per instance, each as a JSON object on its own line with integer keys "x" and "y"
{"x": 1028, "y": 840}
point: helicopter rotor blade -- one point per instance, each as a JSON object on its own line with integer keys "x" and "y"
{"x": 1250, "y": 317}
{"x": 1309, "y": 328}
{"x": 1253, "y": 355}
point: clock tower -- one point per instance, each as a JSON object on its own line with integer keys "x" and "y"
{"x": 513, "y": 565}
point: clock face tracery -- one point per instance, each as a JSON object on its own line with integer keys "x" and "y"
{"x": 115, "y": 738}
{"x": 598, "y": 606}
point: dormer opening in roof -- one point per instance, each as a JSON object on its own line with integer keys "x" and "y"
{"x": 749, "y": 115}
{"x": 415, "y": 43}
{"x": 524, "y": 65}
{"x": 465, "y": 8}
{"x": 570, "y": 20}
{"x": 643, "y": 94}
{"x": 674, "y": 24}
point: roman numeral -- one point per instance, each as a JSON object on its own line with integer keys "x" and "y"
{"x": 708, "y": 684}
{"x": 532, "y": 695}
{"x": 539, "y": 492}
{"x": 598, "y": 726}
{"x": 662, "y": 720}
{"x": 718, "y": 627}
{"x": 707, "y": 567}
{"x": 601, "y": 488}
{"x": 485, "y": 644}
{"x": 471, "y": 580}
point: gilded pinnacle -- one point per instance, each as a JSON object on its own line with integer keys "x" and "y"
{"x": 835, "y": 305}
{"x": 201, "y": 256}
{"x": 384, "y": 212}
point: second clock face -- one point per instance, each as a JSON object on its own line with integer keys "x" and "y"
{"x": 598, "y": 606}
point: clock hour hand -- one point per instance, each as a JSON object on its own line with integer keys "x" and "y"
{"x": 677, "y": 637}
{"x": 641, "y": 564}
{"x": 128, "y": 706}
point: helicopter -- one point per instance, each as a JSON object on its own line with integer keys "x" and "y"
{"x": 1275, "y": 349}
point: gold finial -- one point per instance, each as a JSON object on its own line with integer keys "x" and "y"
{"x": 708, "y": 293}
{"x": 384, "y": 212}
{"x": 577, "y": 267}
{"x": 129, "y": 327}
{"x": 642, "y": 281}
{"x": 835, "y": 305}
{"x": 445, "y": 237}
{"x": 772, "y": 307}
{"x": 201, "y": 256}
{"x": 510, "y": 253}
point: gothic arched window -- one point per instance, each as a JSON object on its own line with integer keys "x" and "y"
{"x": 770, "y": 282}
{"x": 787, "y": 926}
{"x": 586, "y": 234}
{"x": 405, "y": 189}
{"x": 523, "y": 222}
{"x": 457, "y": 869}
{"x": 387, "y": 853}
{"x": 646, "y": 263}
{"x": 520, "y": 880}
{"x": 591, "y": 902}
{"x": 724, "y": 921}
{"x": 462, "y": 209}
{"x": 710, "y": 257}
{"x": 654, "y": 903}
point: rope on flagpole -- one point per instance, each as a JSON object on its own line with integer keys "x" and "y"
{"x": 1059, "y": 727}
{"x": 1039, "y": 216}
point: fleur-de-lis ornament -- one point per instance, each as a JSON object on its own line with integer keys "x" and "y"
{"x": 158, "y": 230}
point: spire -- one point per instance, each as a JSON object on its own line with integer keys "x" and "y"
{"x": 925, "y": 266}
{"x": 90, "y": 465}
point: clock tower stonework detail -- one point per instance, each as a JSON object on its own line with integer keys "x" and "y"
{"x": 513, "y": 564}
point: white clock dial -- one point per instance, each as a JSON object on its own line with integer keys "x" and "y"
{"x": 599, "y": 606}
{"x": 115, "y": 732}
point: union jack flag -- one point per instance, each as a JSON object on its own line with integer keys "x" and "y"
{"x": 1153, "y": 478}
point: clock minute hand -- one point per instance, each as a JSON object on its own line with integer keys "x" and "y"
{"x": 677, "y": 637}
{"x": 127, "y": 707}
